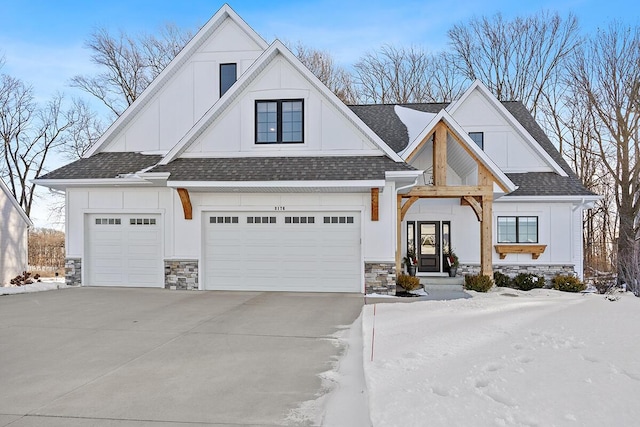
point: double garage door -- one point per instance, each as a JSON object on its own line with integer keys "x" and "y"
{"x": 264, "y": 251}
{"x": 124, "y": 250}
{"x": 282, "y": 251}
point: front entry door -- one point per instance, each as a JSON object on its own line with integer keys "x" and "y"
{"x": 429, "y": 246}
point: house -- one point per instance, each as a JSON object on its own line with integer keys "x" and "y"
{"x": 14, "y": 232}
{"x": 237, "y": 169}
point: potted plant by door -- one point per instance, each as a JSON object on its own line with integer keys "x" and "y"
{"x": 453, "y": 262}
{"x": 411, "y": 261}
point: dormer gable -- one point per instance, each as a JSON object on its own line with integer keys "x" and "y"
{"x": 278, "y": 80}
{"x": 505, "y": 140}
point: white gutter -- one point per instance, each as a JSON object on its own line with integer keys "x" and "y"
{"x": 407, "y": 186}
{"x": 584, "y": 204}
{"x": 275, "y": 184}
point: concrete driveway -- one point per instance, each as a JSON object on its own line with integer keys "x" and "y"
{"x": 148, "y": 357}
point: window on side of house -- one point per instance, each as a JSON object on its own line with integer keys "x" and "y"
{"x": 279, "y": 121}
{"x": 228, "y": 76}
{"x": 517, "y": 229}
{"x": 478, "y": 138}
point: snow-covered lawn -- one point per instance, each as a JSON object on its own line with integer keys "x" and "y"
{"x": 506, "y": 358}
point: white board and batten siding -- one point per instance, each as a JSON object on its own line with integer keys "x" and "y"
{"x": 283, "y": 251}
{"x": 124, "y": 250}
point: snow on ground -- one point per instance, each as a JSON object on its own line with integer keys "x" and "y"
{"x": 47, "y": 284}
{"x": 506, "y": 358}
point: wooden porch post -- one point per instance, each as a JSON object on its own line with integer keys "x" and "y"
{"x": 486, "y": 256}
{"x": 398, "y": 232}
{"x": 440, "y": 155}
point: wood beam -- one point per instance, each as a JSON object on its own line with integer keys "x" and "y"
{"x": 375, "y": 197}
{"x": 440, "y": 154}
{"x": 443, "y": 191}
{"x": 186, "y": 203}
{"x": 407, "y": 205}
{"x": 475, "y": 205}
{"x": 534, "y": 250}
{"x": 486, "y": 237}
{"x": 418, "y": 148}
{"x": 484, "y": 176}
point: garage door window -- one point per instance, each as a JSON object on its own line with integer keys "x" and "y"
{"x": 223, "y": 220}
{"x": 261, "y": 220}
{"x": 142, "y": 221}
{"x": 107, "y": 221}
{"x": 338, "y": 220}
{"x": 299, "y": 220}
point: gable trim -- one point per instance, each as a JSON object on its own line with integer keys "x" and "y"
{"x": 15, "y": 203}
{"x": 276, "y": 48}
{"x": 467, "y": 144}
{"x": 478, "y": 85}
{"x": 225, "y": 12}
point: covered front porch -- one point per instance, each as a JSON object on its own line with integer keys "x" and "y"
{"x": 450, "y": 208}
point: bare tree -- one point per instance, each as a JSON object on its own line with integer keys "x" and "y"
{"x": 29, "y": 133}
{"x": 606, "y": 73}
{"x": 321, "y": 64}
{"x": 515, "y": 59}
{"x": 46, "y": 251}
{"x": 446, "y": 83}
{"x": 158, "y": 51}
{"x": 128, "y": 64}
{"x": 394, "y": 75}
{"x": 86, "y": 130}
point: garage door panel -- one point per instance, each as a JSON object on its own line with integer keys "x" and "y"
{"x": 285, "y": 251}
{"x": 124, "y": 250}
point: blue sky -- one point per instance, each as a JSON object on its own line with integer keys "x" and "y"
{"x": 42, "y": 41}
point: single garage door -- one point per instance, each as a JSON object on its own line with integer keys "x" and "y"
{"x": 124, "y": 250}
{"x": 278, "y": 251}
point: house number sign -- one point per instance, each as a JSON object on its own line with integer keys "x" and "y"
{"x": 279, "y": 208}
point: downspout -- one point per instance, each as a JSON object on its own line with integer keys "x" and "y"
{"x": 399, "y": 224}
{"x": 408, "y": 186}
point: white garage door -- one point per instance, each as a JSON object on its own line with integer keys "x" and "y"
{"x": 124, "y": 250}
{"x": 278, "y": 251}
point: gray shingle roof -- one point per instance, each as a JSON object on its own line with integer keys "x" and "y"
{"x": 104, "y": 165}
{"x": 388, "y": 126}
{"x": 281, "y": 168}
{"x": 547, "y": 184}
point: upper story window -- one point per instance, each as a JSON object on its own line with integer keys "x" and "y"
{"x": 517, "y": 229}
{"x": 279, "y": 121}
{"x": 228, "y": 76}
{"x": 478, "y": 138}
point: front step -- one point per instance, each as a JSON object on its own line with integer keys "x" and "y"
{"x": 442, "y": 283}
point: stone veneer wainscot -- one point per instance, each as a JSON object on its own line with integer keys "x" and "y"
{"x": 548, "y": 271}
{"x": 73, "y": 271}
{"x": 181, "y": 274}
{"x": 380, "y": 278}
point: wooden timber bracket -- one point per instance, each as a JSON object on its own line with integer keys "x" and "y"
{"x": 186, "y": 203}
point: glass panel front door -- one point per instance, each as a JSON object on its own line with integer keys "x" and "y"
{"x": 429, "y": 246}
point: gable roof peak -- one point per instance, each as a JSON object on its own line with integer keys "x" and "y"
{"x": 276, "y": 48}
{"x": 5, "y": 189}
{"x": 224, "y": 13}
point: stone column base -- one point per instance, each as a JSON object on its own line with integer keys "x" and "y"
{"x": 181, "y": 274}
{"x": 73, "y": 271}
{"x": 380, "y": 278}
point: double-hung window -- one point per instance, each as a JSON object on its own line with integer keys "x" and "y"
{"x": 517, "y": 229}
{"x": 279, "y": 121}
